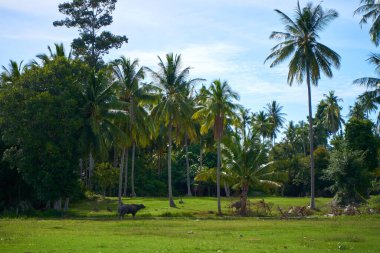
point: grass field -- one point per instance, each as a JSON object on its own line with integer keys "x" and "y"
{"x": 193, "y": 207}
{"x": 191, "y": 229}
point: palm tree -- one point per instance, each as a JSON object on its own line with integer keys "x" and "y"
{"x": 248, "y": 165}
{"x": 12, "y": 73}
{"x": 331, "y": 116}
{"x": 59, "y": 52}
{"x": 188, "y": 132}
{"x": 134, "y": 97}
{"x": 276, "y": 118}
{"x": 261, "y": 124}
{"x": 370, "y": 99}
{"x": 357, "y": 111}
{"x": 217, "y": 108}
{"x": 171, "y": 81}
{"x": 308, "y": 57}
{"x": 371, "y": 11}
{"x": 98, "y": 129}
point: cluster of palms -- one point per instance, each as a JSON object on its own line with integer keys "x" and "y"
{"x": 122, "y": 113}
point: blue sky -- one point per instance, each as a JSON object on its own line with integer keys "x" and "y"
{"x": 218, "y": 38}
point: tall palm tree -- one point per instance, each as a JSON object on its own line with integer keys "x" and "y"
{"x": 276, "y": 118}
{"x": 98, "y": 129}
{"x": 188, "y": 132}
{"x": 171, "y": 80}
{"x": 371, "y": 12}
{"x": 12, "y": 73}
{"x": 218, "y": 107}
{"x": 370, "y": 99}
{"x": 331, "y": 117}
{"x": 309, "y": 58}
{"x": 135, "y": 96}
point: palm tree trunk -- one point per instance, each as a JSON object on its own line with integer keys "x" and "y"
{"x": 133, "y": 193}
{"x": 311, "y": 136}
{"x": 171, "y": 201}
{"x": 227, "y": 189}
{"x": 218, "y": 179}
{"x": 200, "y": 155}
{"x": 187, "y": 168}
{"x": 91, "y": 165}
{"x": 126, "y": 172}
{"x": 121, "y": 176}
{"x": 243, "y": 200}
{"x": 66, "y": 206}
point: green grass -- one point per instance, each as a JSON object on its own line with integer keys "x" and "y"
{"x": 351, "y": 234}
{"x": 192, "y": 227}
{"x": 193, "y": 207}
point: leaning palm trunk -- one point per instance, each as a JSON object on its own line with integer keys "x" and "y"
{"x": 218, "y": 179}
{"x": 133, "y": 193}
{"x": 311, "y": 136}
{"x": 126, "y": 173}
{"x": 171, "y": 201}
{"x": 187, "y": 168}
{"x": 121, "y": 176}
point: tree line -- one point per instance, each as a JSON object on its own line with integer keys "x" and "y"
{"x": 72, "y": 124}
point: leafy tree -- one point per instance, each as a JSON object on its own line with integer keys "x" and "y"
{"x": 106, "y": 176}
{"x": 370, "y": 10}
{"x": 171, "y": 80}
{"x": 276, "y": 118}
{"x": 40, "y": 121}
{"x": 218, "y": 107}
{"x": 360, "y": 137}
{"x": 350, "y": 178}
{"x": 308, "y": 57}
{"x": 90, "y": 16}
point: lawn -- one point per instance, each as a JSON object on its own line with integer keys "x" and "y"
{"x": 193, "y": 206}
{"x": 192, "y": 227}
{"x": 352, "y": 234}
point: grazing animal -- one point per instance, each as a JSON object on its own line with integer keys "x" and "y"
{"x": 130, "y": 208}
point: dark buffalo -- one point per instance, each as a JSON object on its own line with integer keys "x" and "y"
{"x": 130, "y": 208}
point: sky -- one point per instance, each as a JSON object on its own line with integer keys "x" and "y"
{"x": 218, "y": 39}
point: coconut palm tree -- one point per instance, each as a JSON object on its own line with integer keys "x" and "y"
{"x": 218, "y": 107}
{"x": 276, "y": 118}
{"x": 99, "y": 130}
{"x": 12, "y": 73}
{"x": 171, "y": 81}
{"x": 261, "y": 124}
{"x": 370, "y": 99}
{"x": 59, "y": 52}
{"x": 331, "y": 117}
{"x": 309, "y": 58}
{"x": 247, "y": 164}
{"x": 371, "y": 12}
{"x": 135, "y": 96}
